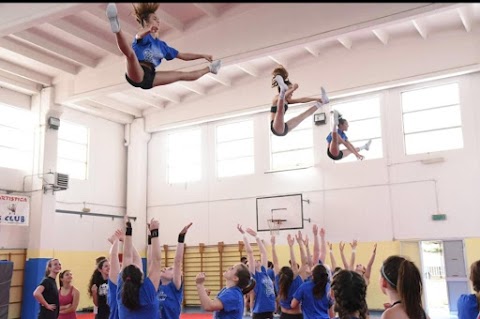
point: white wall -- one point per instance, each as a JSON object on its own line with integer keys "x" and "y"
{"x": 104, "y": 191}
{"x": 374, "y": 200}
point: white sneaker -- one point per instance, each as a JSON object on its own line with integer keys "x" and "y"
{"x": 367, "y": 145}
{"x": 281, "y": 83}
{"x": 325, "y": 99}
{"x": 215, "y": 66}
{"x": 112, "y": 16}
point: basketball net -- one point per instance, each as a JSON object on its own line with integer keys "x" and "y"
{"x": 274, "y": 225}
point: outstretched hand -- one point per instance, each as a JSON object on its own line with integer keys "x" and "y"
{"x": 290, "y": 240}
{"x": 154, "y": 224}
{"x": 200, "y": 278}
{"x": 208, "y": 57}
{"x": 240, "y": 229}
{"x": 185, "y": 229}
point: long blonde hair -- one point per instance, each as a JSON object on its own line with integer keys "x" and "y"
{"x": 49, "y": 264}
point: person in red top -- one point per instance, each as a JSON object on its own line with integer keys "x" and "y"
{"x": 68, "y": 295}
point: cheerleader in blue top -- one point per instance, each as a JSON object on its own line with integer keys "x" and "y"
{"x": 170, "y": 290}
{"x": 229, "y": 301}
{"x": 287, "y": 280}
{"x": 338, "y": 137}
{"x": 113, "y": 275}
{"x": 147, "y": 51}
{"x": 314, "y": 295}
{"x": 137, "y": 294}
{"x": 468, "y": 305}
{"x": 264, "y": 303}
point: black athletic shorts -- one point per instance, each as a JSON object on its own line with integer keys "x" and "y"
{"x": 148, "y": 76}
{"x": 285, "y": 130}
{"x": 263, "y": 315}
{"x": 291, "y": 316}
{"x": 336, "y": 158}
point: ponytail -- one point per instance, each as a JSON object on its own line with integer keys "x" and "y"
{"x": 409, "y": 287}
{"x": 250, "y": 286}
{"x": 320, "y": 280}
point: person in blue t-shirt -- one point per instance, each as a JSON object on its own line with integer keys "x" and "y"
{"x": 349, "y": 292}
{"x": 137, "y": 294}
{"x": 229, "y": 301}
{"x": 264, "y": 303}
{"x": 114, "y": 271}
{"x": 313, "y": 295}
{"x": 287, "y": 280}
{"x": 147, "y": 51}
{"x": 468, "y": 305}
{"x": 170, "y": 290}
{"x": 338, "y": 137}
{"x": 278, "y": 125}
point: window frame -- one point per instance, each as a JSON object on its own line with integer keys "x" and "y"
{"x": 167, "y": 166}
{"x": 87, "y": 146}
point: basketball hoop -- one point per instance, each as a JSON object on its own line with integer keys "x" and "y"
{"x": 274, "y": 225}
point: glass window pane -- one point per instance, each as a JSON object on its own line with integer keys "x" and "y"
{"x": 16, "y": 138}
{"x": 15, "y": 159}
{"x": 234, "y": 131}
{"x": 15, "y": 117}
{"x": 234, "y": 167}
{"x": 72, "y": 151}
{"x": 74, "y": 169}
{"x": 73, "y": 132}
{"x": 235, "y": 149}
{"x": 375, "y": 151}
{"x": 364, "y": 129}
{"x": 432, "y": 119}
{"x": 292, "y": 159}
{"x": 184, "y": 174}
{"x": 359, "y": 109}
{"x": 434, "y": 141}
{"x": 426, "y": 98}
{"x": 293, "y": 140}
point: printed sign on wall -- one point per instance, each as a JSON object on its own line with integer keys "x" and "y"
{"x": 14, "y": 210}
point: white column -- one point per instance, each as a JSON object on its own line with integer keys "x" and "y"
{"x": 137, "y": 141}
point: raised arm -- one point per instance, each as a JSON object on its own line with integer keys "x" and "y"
{"x": 113, "y": 255}
{"x": 149, "y": 248}
{"x": 177, "y": 269}
{"x": 341, "y": 246}
{"x": 316, "y": 245}
{"x": 248, "y": 249}
{"x": 307, "y": 251}
{"x": 261, "y": 247}
{"x": 205, "y": 301}
{"x": 294, "y": 266}
{"x": 323, "y": 246}
{"x": 354, "y": 254}
{"x": 154, "y": 273}
{"x": 368, "y": 270}
{"x": 276, "y": 267}
{"x": 127, "y": 245}
{"x": 194, "y": 56}
{"x": 303, "y": 254}
{"x": 333, "y": 262}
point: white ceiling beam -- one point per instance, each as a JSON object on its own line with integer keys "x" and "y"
{"x": 145, "y": 99}
{"x": 16, "y": 83}
{"x": 248, "y": 69}
{"x": 50, "y": 60}
{"x": 108, "y": 45}
{"x": 25, "y": 73}
{"x": 193, "y": 87}
{"x": 208, "y": 8}
{"x": 154, "y": 98}
{"x": 17, "y": 17}
{"x": 116, "y": 105}
{"x": 103, "y": 112}
{"x": 382, "y": 35}
{"x": 312, "y": 51}
{"x": 345, "y": 41}
{"x": 125, "y": 24}
{"x": 220, "y": 79}
{"x": 162, "y": 93}
{"x": 277, "y": 60}
{"x": 55, "y": 47}
{"x": 421, "y": 28}
{"x": 466, "y": 16}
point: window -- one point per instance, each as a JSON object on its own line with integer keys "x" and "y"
{"x": 364, "y": 123}
{"x": 235, "y": 149}
{"x": 294, "y": 150}
{"x": 184, "y": 156}
{"x": 73, "y": 150}
{"x": 431, "y": 119}
{"x": 16, "y": 138}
